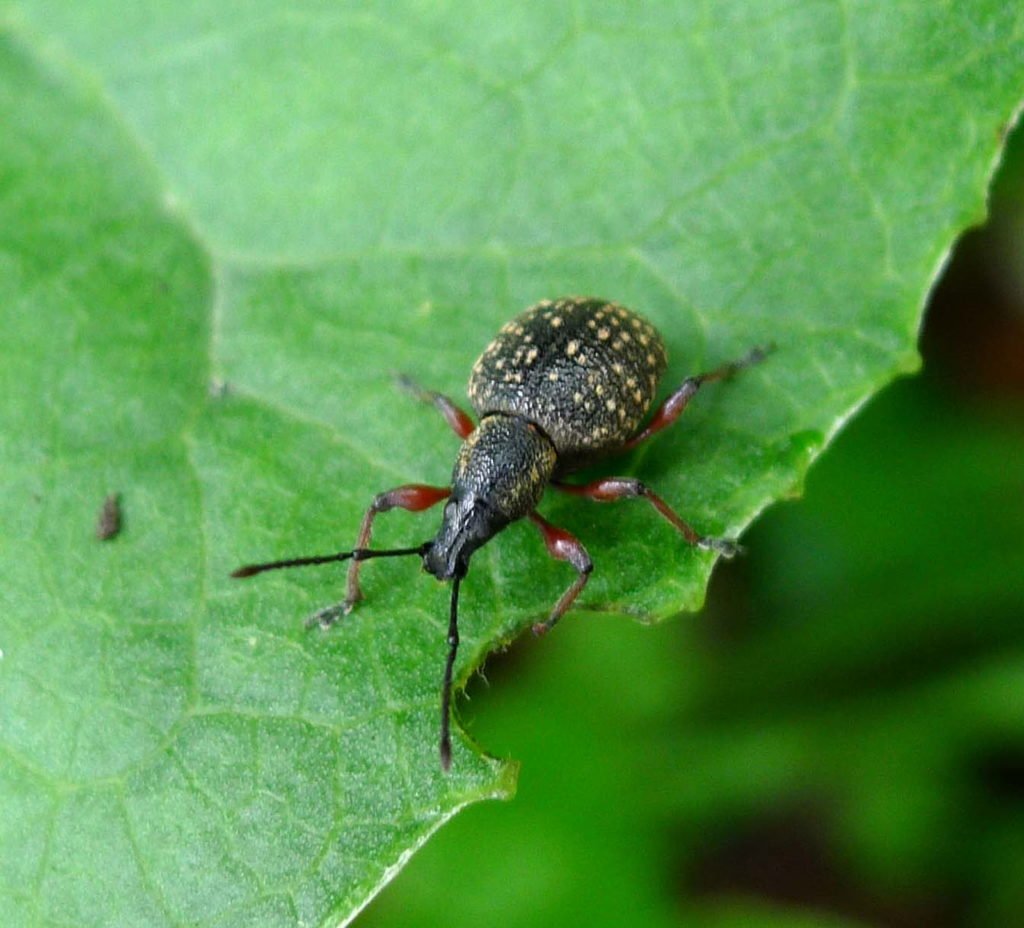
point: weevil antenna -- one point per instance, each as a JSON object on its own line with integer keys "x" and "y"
{"x": 446, "y": 688}
{"x": 358, "y": 554}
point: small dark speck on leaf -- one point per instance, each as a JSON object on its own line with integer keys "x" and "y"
{"x": 108, "y": 522}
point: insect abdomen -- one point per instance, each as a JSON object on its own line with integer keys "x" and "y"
{"x": 584, "y": 370}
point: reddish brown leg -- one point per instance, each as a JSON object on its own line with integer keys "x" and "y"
{"x": 459, "y": 421}
{"x": 674, "y": 404}
{"x": 415, "y": 497}
{"x": 610, "y": 489}
{"x": 564, "y": 547}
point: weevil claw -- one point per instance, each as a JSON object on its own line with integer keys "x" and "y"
{"x": 327, "y": 616}
{"x": 727, "y": 547}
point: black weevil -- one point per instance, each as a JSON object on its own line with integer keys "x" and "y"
{"x": 563, "y": 384}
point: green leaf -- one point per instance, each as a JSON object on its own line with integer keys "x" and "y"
{"x": 221, "y": 230}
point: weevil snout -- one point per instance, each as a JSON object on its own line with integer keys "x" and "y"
{"x": 468, "y": 522}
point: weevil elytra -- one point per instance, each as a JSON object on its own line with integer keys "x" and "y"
{"x": 564, "y": 384}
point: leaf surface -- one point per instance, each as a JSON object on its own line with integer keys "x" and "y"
{"x": 223, "y": 228}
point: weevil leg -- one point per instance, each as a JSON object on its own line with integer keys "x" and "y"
{"x": 460, "y": 422}
{"x": 415, "y": 497}
{"x": 610, "y": 489}
{"x": 674, "y": 404}
{"x": 564, "y": 547}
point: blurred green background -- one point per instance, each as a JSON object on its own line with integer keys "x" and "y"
{"x": 838, "y": 739}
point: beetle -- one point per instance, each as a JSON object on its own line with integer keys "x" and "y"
{"x": 562, "y": 385}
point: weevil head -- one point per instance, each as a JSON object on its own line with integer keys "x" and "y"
{"x": 467, "y": 524}
{"x": 499, "y": 477}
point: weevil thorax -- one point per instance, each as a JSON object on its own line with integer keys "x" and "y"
{"x": 499, "y": 477}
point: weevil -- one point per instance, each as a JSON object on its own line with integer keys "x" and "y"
{"x": 562, "y": 385}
